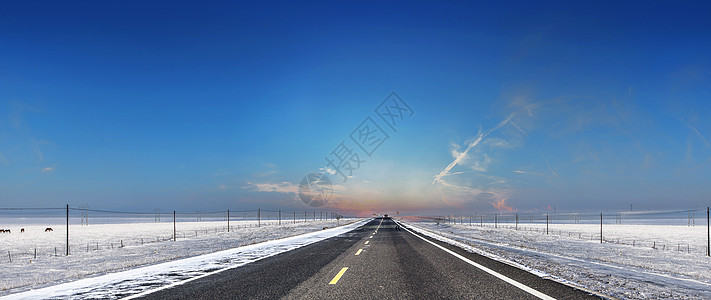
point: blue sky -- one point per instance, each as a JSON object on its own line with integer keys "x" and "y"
{"x": 190, "y": 106}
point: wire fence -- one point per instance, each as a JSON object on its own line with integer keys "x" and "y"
{"x": 685, "y": 231}
{"x": 27, "y": 234}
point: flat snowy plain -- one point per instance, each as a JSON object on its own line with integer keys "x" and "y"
{"x": 144, "y": 244}
{"x": 625, "y": 266}
{"x": 636, "y": 261}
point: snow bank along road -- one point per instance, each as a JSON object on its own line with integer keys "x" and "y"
{"x": 377, "y": 260}
{"x": 141, "y": 280}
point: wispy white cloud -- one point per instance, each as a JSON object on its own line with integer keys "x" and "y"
{"x": 337, "y": 196}
{"x": 265, "y": 173}
{"x": 501, "y": 205}
{"x": 701, "y": 136}
{"x": 334, "y": 172}
{"x": 529, "y": 173}
{"x": 270, "y": 169}
{"x": 548, "y": 164}
{"x": 519, "y": 128}
{"x": 462, "y": 155}
{"x": 48, "y": 170}
{"x": 486, "y": 154}
{"x": 283, "y": 187}
{"x": 455, "y": 193}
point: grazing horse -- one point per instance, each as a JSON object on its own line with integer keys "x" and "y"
{"x": 7, "y": 231}
{"x": 22, "y": 230}
{"x": 48, "y": 229}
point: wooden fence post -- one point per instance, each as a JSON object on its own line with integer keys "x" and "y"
{"x": 67, "y": 229}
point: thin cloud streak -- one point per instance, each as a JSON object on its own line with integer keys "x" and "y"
{"x": 283, "y": 187}
{"x": 701, "y": 136}
{"x": 519, "y": 128}
{"x": 463, "y": 154}
{"x": 461, "y": 194}
{"x": 543, "y": 155}
{"x": 529, "y": 173}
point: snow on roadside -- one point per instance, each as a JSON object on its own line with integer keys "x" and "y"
{"x": 617, "y": 270}
{"x": 22, "y": 276}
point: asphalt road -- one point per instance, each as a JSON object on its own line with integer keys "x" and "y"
{"x": 383, "y": 262}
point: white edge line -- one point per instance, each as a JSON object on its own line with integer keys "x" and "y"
{"x": 487, "y": 270}
{"x": 177, "y": 283}
{"x": 462, "y": 240}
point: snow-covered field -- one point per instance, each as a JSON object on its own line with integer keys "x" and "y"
{"x": 96, "y": 249}
{"x": 677, "y": 266}
{"x": 636, "y": 261}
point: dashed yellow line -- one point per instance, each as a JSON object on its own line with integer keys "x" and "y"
{"x": 359, "y": 250}
{"x": 366, "y": 242}
{"x": 338, "y": 276}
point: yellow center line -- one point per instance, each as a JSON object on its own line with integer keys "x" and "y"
{"x": 338, "y": 276}
{"x": 366, "y": 242}
{"x": 381, "y": 222}
{"x": 359, "y": 250}
{"x": 376, "y": 229}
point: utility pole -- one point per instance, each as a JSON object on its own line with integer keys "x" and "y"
{"x": 67, "y": 229}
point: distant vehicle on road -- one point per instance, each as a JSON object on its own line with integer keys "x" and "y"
{"x": 386, "y": 215}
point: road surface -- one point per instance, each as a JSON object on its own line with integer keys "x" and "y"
{"x": 379, "y": 260}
